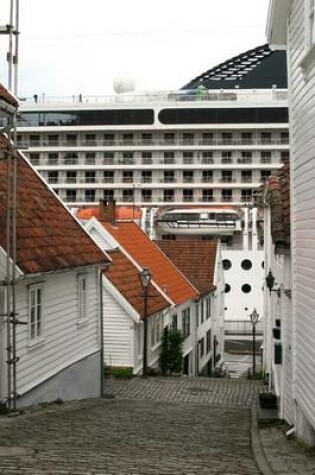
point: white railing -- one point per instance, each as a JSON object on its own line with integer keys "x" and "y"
{"x": 80, "y": 101}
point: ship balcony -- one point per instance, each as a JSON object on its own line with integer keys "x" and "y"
{"x": 154, "y": 143}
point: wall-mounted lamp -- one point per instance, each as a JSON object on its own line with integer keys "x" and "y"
{"x": 270, "y": 281}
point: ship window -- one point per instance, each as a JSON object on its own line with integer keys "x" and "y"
{"x": 227, "y": 264}
{"x": 227, "y": 288}
{"x": 246, "y": 264}
{"x": 246, "y": 288}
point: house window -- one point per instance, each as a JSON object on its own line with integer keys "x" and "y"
{"x": 82, "y": 297}
{"x": 208, "y": 308}
{"x": 156, "y": 329}
{"x": 208, "y": 340}
{"x": 174, "y": 323}
{"x": 186, "y": 322}
{"x": 202, "y": 347}
{"x": 310, "y": 23}
{"x": 35, "y": 312}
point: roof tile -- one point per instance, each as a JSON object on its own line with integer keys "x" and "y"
{"x": 195, "y": 259}
{"x": 48, "y": 237}
{"x": 147, "y": 254}
{"x": 125, "y": 277}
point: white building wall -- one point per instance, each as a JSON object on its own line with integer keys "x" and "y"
{"x": 302, "y": 87}
{"x": 118, "y": 333}
{"x": 65, "y": 341}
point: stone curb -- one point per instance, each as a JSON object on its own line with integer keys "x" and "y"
{"x": 258, "y": 451}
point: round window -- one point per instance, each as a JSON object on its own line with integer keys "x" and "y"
{"x": 227, "y": 264}
{"x": 246, "y": 288}
{"x": 246, "y": 264}
{"x": 227, "y": 288}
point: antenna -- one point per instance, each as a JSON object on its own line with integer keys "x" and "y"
{"x": 11, "y": 30}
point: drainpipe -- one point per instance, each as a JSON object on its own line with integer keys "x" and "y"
{"x": 102, "y": 333}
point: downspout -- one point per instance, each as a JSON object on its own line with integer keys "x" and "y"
{"x": 102, "y": 334}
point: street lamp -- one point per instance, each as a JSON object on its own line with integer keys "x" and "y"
{"x": 270, "y": 282}
{"x": 254, "y": 316}
{"x": 145, "y": 278}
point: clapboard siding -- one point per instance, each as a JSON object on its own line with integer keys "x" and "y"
{"x": 303, "y": 205}
{"x": 118, "y": 333}
{"x": 64, "y": 340}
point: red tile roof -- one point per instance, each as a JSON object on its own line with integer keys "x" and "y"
{"x": 123, "y": 274}
{"x": 121, "y": 213}
{"x": 195, "y": 259}
{"x": 7, "y": 97}
{"x": 48, "y": 236}
{"x": 147, "y": 254}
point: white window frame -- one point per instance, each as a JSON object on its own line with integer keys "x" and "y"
{"x": 156, "y": 330}
{"x": 82, "y": 298}
{"x": 310, "y": 23}
{"x": 35, "y": 313}
{"x": 186, "y": 329}
{"x": 309, "y": 28}
{"x": 208, "y": 308}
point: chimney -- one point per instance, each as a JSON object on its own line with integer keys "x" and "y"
{"x": 108, "y": 211}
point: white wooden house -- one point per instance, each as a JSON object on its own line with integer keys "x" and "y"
{"x": 200, "y": 262}
{"x": 50, "y": 343}
{"x": 167, "y": 279}
{"x": 291, "y": 25}
{"x": 278, "y": 324}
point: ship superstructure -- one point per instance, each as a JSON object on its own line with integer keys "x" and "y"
{"x": 213, "y": 142}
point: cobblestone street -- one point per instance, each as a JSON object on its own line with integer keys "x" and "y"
{"x": 143, "y": 427}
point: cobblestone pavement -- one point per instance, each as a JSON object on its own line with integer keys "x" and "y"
{"x": 285, "y": 457}
{"x": 143, "y": 427}
{"x": 201, "y": 390}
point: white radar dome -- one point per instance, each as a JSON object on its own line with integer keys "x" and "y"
{"x": 123, "y": 84}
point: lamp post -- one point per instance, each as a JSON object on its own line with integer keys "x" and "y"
{"x": 254, "y": 316}
{"x": 145, "y": 278}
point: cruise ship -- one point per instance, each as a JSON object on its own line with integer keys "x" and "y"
{"x": 211, "y": 142}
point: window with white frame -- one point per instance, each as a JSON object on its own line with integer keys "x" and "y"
{"x": 208, "y": 311}
{"x": 156, "y": 329}
{"x": 186, "y": 322}
{"x": 82, "y": 297}
{"x": 35, "y": 312}
{"x": 174, "y": 322}
{"x": 140, "y": 339}
{"x": 310, "y": 22}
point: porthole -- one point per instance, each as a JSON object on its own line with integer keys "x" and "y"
{"x": 246, "y": 264}
{"x": 227, "y": 264}
{"x": 246, "y": 288}
{"x": 227, "y": 288}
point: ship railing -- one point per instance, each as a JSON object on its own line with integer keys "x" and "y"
{"x": 153, "y": 143}
{"x": 83, "y": 101}
{"x": 242, "y": 327}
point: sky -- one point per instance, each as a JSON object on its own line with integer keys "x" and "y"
{"x": 70, "y": 47}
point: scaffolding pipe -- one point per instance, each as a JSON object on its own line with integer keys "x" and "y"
{"x": 8, "y": 277}
{"x": 16, "y": 50}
